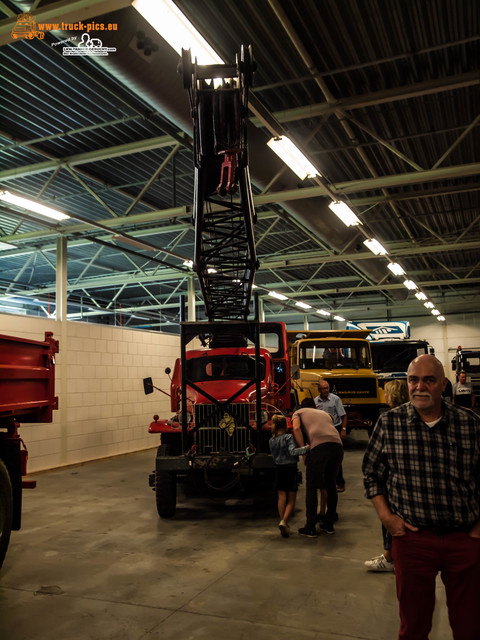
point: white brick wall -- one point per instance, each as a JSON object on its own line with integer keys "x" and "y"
{"x": 103, "y": 410}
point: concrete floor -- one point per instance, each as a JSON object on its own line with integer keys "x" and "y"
{"x": 94, "y": 561}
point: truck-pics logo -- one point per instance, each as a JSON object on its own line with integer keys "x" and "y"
{"x": 26, "y": 27}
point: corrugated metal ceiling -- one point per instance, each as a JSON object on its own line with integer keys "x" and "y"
{"x": 382, "y": 95}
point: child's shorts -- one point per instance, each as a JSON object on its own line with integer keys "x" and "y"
{"x": 287, "y": 477}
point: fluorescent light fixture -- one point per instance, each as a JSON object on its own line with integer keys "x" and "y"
{"x": 322, "y": 312}
{"x": 375, "y": 247}
{"x": 188, "y": 263}
{"x": 435, "y": 312}
{"x": 396, "y": 268}
{"x": 343, "y": 211}
{"x": 339, "y": 318}
{"x": 304, "y": 305}
{"x": 166, "y": 18}
{"x": 278, "y": 296}
{"x": 410, "y": 284}
{"x": 4, "y": 246}
{"x": 31, "y": 205}
{"x": 441, "y": 318}
{"x": 293, "y": 157}
{"x": 420, "y": 295}
{"x": 429, "y": 305}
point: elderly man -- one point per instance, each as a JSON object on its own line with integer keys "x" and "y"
{"x": 332, "y": 404}
{"x": 422, "y": 473}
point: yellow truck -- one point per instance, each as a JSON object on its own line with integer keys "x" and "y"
{"x": 344, "y": 360}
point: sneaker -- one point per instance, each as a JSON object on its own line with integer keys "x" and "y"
{"x": 284, "y": 528}
{"x": 327, "y": 528}
{"x": 380, "y": 563}
{"x": 308, "y": 532}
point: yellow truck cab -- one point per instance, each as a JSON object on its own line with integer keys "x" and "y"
{"x": 343, "y": 359}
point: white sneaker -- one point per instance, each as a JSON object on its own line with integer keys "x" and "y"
{"x": 380, "y": 563}
{"x": 284, "y": 528}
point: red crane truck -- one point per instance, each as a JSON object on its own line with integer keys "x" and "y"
{"x": 224, "y": 394}
{"x": 27, "y": 394}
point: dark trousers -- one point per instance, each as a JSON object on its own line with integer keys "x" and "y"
{"x": 340, "y": 478}
{"x": 418, "y": 557}
{"x": 323, "y": 462}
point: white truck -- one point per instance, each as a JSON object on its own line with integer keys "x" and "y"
{"x": 392, "y": 348}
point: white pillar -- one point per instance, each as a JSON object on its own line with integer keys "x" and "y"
{"x": 191, "y": 299}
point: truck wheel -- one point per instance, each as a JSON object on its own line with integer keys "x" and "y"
{"x": 5, "y": 510}
{"x": 165, "y": 488}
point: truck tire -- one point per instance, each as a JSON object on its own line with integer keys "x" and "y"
{"x": 6, "y": 510}
{"x": 165, "y": 488}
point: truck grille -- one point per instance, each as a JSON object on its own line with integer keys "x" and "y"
{"x": 353, "y": 387}
{"x": 225, "y": 431}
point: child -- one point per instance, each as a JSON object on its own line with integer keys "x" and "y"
{"x": 285, "y": 454}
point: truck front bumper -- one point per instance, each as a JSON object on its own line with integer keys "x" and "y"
{"x": 240, "y": 463}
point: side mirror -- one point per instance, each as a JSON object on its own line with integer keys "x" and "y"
{"x": 168, "y": 371}
{"x": 295, "y": 372}
{"x": 148, "y": 385}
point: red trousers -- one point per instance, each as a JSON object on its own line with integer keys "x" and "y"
{"x": 418, "y": 557}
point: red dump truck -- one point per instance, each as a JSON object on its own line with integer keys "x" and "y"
{"x": 27, "y": 394}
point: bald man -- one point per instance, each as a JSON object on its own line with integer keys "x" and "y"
{"x": 422, "y": 473}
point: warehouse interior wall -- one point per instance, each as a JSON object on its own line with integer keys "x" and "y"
{"x": 445, "y": 337}
{"x": 103, "y": 410}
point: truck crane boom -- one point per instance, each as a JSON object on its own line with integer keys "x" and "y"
{"x": 225, "y": 257}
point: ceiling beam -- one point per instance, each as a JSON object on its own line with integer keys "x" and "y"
{"x": 406, "y": 92}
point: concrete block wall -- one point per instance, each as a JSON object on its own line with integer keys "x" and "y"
{"x": 103, "y": 410}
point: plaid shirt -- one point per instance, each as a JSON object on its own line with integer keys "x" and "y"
{"x": 430, "y": 476}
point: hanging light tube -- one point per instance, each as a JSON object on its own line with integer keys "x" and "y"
{"x": 31, "y": 205}
{"x": 375, "y": 247}
{"x": 278, "y": 296}
{"x": 396, "y": 268}
{"x": 343, "y": 211}
{"x": 291, "y": 155}
{"x": 174, "y": 27}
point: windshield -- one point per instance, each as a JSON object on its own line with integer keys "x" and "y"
{"x": 226, "y": 367}
{"x": 322, "y": 354}
{"x": 395, "y": 356}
